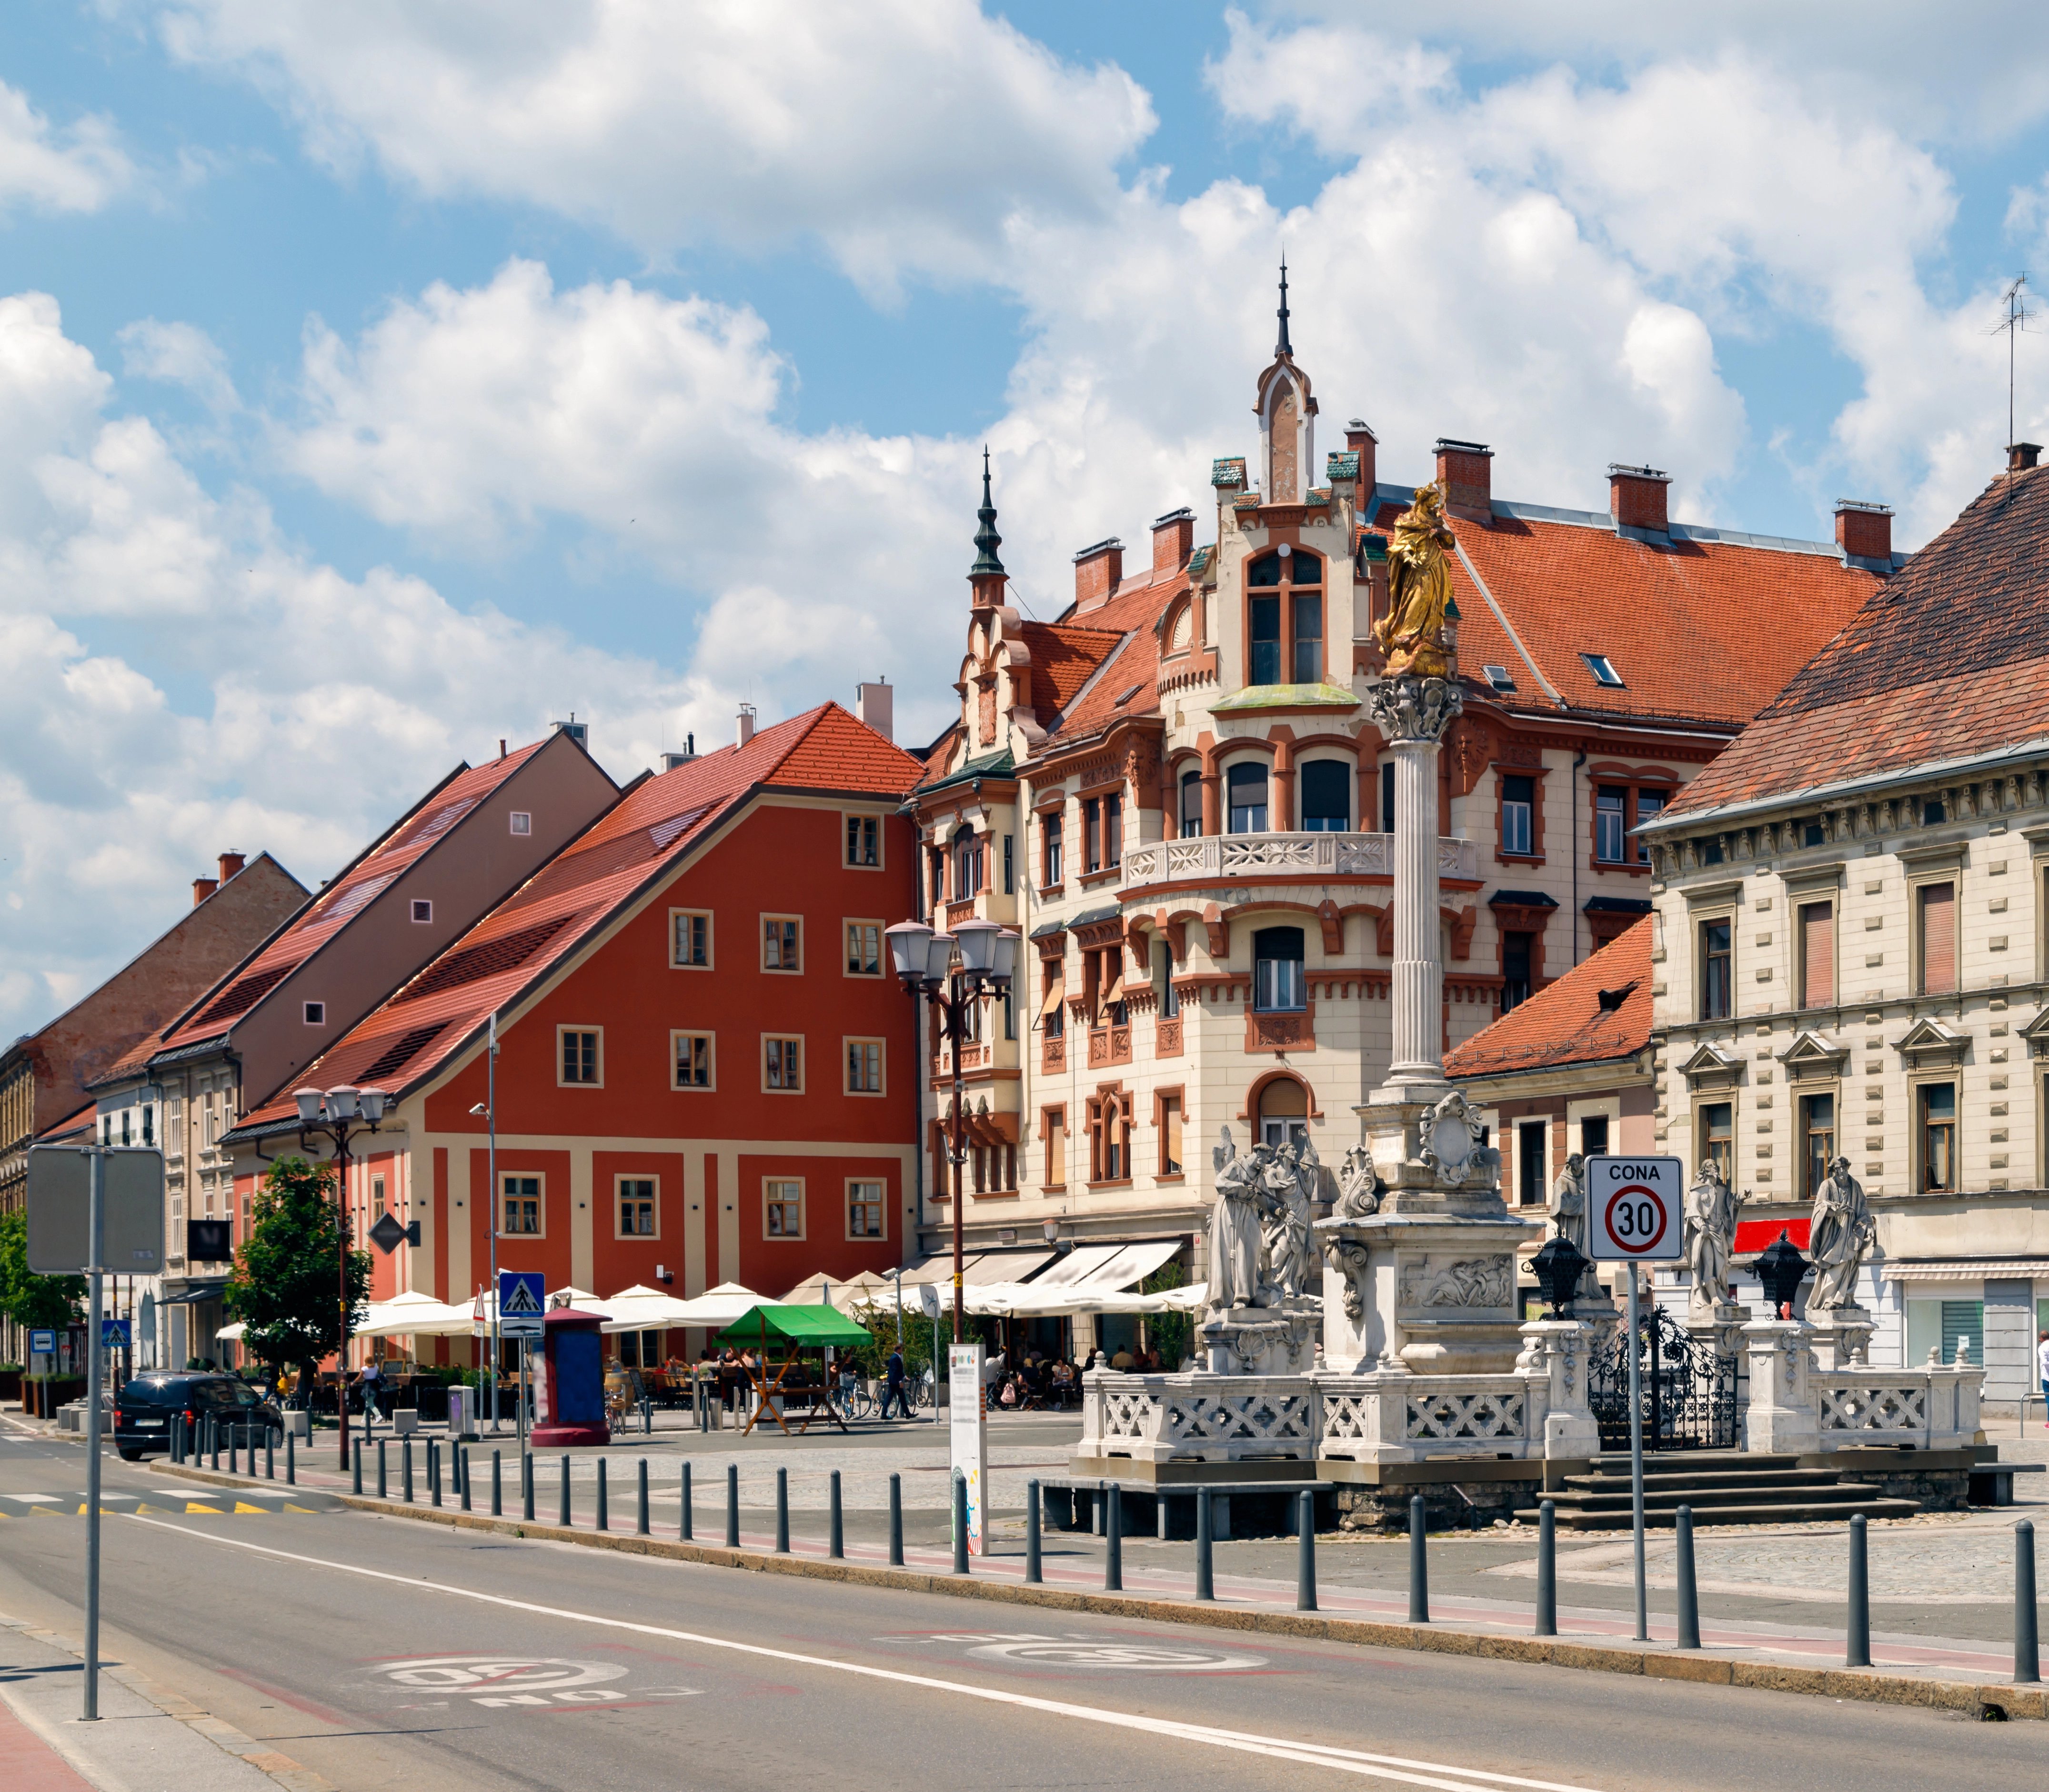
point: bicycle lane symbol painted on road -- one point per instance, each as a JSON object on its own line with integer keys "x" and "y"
{"x": 1085, "y": 1651}
{"x": 518, "y": 1682}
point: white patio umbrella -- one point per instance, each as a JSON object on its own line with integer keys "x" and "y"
{"x": 232, "y": 1333}
{"x": 414, "y": 1314}
{"x": 718, "y": 1307}
{"x": 641, "y": 1309}
{"x": 845, "y": 1293}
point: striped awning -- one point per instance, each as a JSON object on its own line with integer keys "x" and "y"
{"x": 1966, "y": 1269}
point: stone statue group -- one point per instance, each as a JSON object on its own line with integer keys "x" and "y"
{"x": 1841, "y": 1231}
{"x": 1261, "y": 1245}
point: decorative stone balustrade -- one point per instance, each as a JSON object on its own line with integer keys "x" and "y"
{"x": 1250, "y": 857}
{"x": 1932, "y": 1408}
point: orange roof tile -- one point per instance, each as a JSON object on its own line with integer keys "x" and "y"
{"x": 1567, "y": 1022}
{"x": 543, "y": 923}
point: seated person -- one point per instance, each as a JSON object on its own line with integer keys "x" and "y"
{"x": 1124, "y": 1362}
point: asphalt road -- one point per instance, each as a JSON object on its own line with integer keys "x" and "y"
{"x": 383, "y": 1652}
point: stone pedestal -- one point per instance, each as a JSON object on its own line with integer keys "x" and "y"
{"x": 1842, "y": 1335}
{"x": 1562, "y": 1351}
{"x": 1261, "y": 1340}
{"x": 1781, "y": 1417}
{"x": 1719, "y": 1328}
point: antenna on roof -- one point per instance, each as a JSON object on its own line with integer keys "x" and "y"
{"x": 2012, "y": 323}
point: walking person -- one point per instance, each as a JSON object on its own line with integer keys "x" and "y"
{"x": 892, "y": 1384}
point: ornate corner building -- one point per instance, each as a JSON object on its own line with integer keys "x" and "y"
{"x": 1177, "y": 794}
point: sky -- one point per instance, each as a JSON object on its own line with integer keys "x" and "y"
{"x": 379, "y": 381}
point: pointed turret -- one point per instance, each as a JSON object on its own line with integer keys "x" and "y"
{"x": 1281, "y": 350}
{"x": 1287, "y": 418}
{"x": 986, "y": 576}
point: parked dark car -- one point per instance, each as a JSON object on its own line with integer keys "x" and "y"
{"x": 145, "y": 1409}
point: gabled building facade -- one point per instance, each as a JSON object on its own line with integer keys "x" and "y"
{"x": 705, "y": 1071}
{"x": 1852, "y": 947}
{"x": 1175, "y": 793}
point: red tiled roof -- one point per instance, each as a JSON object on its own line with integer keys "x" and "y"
{"x": 330, "y": 912}
{"x": 543, "y": 923}
{"x": 1062, "y": 657}
{"x": 1126, "y": 688}
{"x": 1904, "y": 684}
{"x": 1564, "y": 1022}
{"x": 1699, "y": 630}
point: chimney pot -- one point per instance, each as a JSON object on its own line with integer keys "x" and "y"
{"x": 2021, "y": 456}
{"x": 1465, "y": 469}
{"x": 231, "y": 864}
{"x": 1361, "y": 440}
{"x": 203, "y": 888}
{"x": 1098, "y": 571}
{"x": 746, "y": 731}
{"x": 1173, "y": 540}
{"x": 1864, "y": 531}
{"x": 1636, "y": 498}
{"x": 876, "y": 705}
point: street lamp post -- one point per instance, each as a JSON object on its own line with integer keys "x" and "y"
{"x": 924, "y": 962}
{"x": 331, "y": 1113}
{"x": 488, "y": 1109}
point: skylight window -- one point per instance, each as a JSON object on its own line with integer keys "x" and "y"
{"x": 1603, "y": 669}
{"x": 1498, "y": 677}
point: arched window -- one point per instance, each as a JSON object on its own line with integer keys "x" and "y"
{"x": 967, "y": 866}
{"x": 1284, "y": 1113}
{"x": 1277, "y": 970}
{"x": 1109, "y": 1139}
{"x": 1246, "y": 784}
{"x": 1325, "y": 785}
{"x": 1191, "y": 805}
{"x": 1284, "y": 630}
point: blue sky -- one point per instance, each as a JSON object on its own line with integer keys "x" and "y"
{"x": 379, "y": 380}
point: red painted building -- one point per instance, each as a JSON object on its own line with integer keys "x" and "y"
{"x": 706, "y": 1072}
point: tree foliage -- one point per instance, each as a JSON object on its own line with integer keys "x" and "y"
{"x": 30, "y": 1300}
{"x": 285, "y": 1287}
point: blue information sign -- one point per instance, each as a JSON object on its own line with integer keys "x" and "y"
{"x": 113, "y": 1333}
{"x": 42, "y": 1343}
{"x": 523, "y": 1301}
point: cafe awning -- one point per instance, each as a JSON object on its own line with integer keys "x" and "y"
{"x": 414, "y": 1315}
{"x": 801, "y": 1326}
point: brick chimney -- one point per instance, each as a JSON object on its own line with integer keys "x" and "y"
{"x": 1361, "y": 440}
{"x": 1468, "y": 481}
{"x": 231, "y": 863}
{"x": 1173, "y": 540}
{"x": 1864, "y": 531}
{"x": 1636, "y": 498}
{"x": 745, "y": 733}
{"x": 203, "y": 888}
{"x": 2021, "y": 456}
{"x": 1098, "y": 570}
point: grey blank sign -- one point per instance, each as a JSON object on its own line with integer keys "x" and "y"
{"x": 59, "y": 1196}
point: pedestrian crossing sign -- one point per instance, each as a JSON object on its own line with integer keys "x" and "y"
{"x": 522, "y": 1300}
{"x": 113, "y": 1333}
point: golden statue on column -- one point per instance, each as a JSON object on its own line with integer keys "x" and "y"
{"x": 1419, "y": 578}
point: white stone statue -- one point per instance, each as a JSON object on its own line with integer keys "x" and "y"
{"x": 1841, "y": 1234}
{"x": 1569, "y": 1204}
{"x": 1710, "y": 1211}
{"x": 1452, "y": 1146}
{"x": 1235, "y": 1229}
{"x": 1287, "y": 1186}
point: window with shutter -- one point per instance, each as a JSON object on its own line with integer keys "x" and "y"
{"x": 1939, "y": 938}
{"x": 1817, "y": 955}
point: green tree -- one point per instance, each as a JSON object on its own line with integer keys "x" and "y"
{"x": 1167, "y": 1333}
{"x": 283, "y": 1289}
{"x": 31, "y": 1300}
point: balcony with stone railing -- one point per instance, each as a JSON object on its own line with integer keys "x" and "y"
{"x": 1252, "y": 856}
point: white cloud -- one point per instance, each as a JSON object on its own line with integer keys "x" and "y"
{"x": 903, "y": 133}
{"x": 80, "y": 167}
{"x": 180, "y": 355}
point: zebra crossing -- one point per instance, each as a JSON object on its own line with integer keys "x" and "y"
{"x": 226, "y": 1503}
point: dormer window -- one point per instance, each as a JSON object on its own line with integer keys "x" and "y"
{"x": 1284, "y": 630}
{"x": 1498, "y": 677}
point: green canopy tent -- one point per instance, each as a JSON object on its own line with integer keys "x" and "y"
{"x": 797, "y": 1329}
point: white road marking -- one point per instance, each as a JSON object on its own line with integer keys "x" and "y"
{"x": 1319, "y": 1754}
{"x": 41, "y": 1499}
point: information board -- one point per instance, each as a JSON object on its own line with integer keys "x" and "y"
{"x": 968, "y": 1435}
{"x": 131, "y": 1217}
{"x": 1634, "y": 1210}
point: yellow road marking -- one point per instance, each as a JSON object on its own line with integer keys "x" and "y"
{"x": 193, "y": 1505}
{"x": 240, "y": 1507}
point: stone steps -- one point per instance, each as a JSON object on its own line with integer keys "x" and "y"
{"x": 1722, "y": 1487}
{"x": 1874, "y": 1505}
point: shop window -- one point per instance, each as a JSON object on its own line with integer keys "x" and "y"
{"x": 1277, "y": 984}
{"x": 1325, "y": 785}
{"x": 1716, "y": 969}
{"x": 1246, "y": 783}
{"x": 1936, "y": 1122}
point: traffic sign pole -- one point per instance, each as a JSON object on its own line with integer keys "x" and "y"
{"x": 94, "y": 1367}
{"x": 1636, "y": 1458}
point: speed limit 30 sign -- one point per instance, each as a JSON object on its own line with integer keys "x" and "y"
{"x": 1633, "y": 1210}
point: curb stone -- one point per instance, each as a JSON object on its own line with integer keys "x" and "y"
{"x": 1871, "y": 1686}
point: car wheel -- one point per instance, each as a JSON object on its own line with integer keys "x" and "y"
{"x": 131, "y": 1456}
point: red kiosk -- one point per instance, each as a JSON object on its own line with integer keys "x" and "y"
{"x": 569, "y": 1390}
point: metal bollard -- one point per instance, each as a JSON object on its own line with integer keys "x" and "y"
{"x": 732, "y": 1505}
{"x": 567, "y": 1517}
{"x": 782, "y": 1511}
{"x": 603, "y": 1505}
{"x": 357, "y": 1487}
{"x": 2026, "y": 1653}
{"x": 1305, "y": 1551}
{"x": 895, "y": 1521}
{"x": 686, "y": 1525}
{"x": 435, "y": 1470}
{"x": 1032, "y": 1575}
{"x": 960, "y": 1522}
{"x": 835, "y": 1530}
{"x": 497, "y": 1484}
{"x": 292, "y": 1462}
{"x": 1205, "y": 1544}
{"x": 406, "y": 1466}
{"x": 1419, "y": 1564}
{"x": 1690, "y": 1597}
{"x": 384, "y": 1482}
{"x": 1856, "y": 1637}
{"x": 1547, "y": 1568}
{"x": 640, "y": 1521}
{"x": 270, "y": 1455}
{"x": 462, "y": 1475}
{"x": 213, "y": 1432}
{"x": 1113, "y": 1535}
{"x": 526, "y": 1486}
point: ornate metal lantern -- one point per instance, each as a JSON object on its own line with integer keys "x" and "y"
{"x": 1781, "y": 1268}
{"x": 1559, "y": 1266}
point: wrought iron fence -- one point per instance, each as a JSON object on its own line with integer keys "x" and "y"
{"x": 1687, "y": 1390}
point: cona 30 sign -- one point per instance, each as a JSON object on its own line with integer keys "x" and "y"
{"x": 1634, "y": 1210}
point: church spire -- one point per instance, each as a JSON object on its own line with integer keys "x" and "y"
{"x": 986, "y": 540}
{"x": 1282, "y": 349}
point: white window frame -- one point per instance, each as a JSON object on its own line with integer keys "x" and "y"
{"x": 423, "y": 911}
{"x": 521, "y": 822}
{"x": 711, "y": 953}
{"x": 314, "y": 1013}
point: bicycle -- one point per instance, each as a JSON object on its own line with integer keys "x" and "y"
{"x": 856, "y": 1402}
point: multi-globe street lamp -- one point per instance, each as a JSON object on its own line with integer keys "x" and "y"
{"x": 335, "y": 1114}
{"x": 953, "y": 971}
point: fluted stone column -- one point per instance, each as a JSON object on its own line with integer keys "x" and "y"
{"x": 1413, "y": 713}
